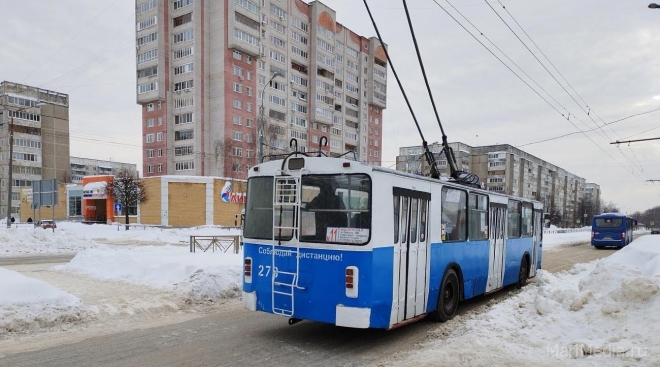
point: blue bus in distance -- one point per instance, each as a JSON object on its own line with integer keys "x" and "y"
{"x": 612, "y": 229}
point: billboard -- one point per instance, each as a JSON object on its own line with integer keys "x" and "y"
{"x": 44, "y": 193}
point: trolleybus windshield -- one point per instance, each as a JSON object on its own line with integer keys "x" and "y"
{"x": 333, "y": 209}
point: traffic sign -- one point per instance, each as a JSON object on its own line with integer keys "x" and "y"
{"x": 118, "y": 207}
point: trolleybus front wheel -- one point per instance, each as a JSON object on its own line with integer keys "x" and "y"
{"x": 448, "y": 297}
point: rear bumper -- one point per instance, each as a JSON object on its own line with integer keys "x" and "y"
{"x": 595, "y": 242}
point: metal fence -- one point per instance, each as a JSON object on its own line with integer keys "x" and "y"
{"x": 215, "y": 243}
{"x": 566, "y": 230}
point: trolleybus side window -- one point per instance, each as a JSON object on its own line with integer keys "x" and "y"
{"x": 414, "y": 208}
{"x": 259, "y": 208}
{"x": 515, "y": 207}
{"x": 336, "y": 208}
{"x": 454, "y": 215}
{"x": 527, "y": 217}
{"x": 478, "y": 217}
{"x": 397, "y": 206}
{"x": 422, "y": 222}
{"x": 404, "y": 220}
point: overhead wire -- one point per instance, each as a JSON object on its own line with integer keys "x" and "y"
{"x": 396, "y": 76}
{"x": 529, "y": 86}
{"x": 464, "y": 177}
{"x": 69, "y": 41}
{"x": 592, "y": 129}
{"x": 588, "y": 113}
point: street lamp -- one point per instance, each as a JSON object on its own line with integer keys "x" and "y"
{"x": 11, "y": 155}
{"x": 654, "y": 6}
{"x": 262, "y": 121}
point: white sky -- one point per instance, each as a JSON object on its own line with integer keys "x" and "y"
{"x": 607, "y": 50}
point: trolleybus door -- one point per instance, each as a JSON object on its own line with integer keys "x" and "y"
{"x": 538, "y": 233}
{"x": 496, "y": 253}
{"x": 411, "y": 253}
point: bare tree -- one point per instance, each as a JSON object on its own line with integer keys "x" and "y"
{"x": 610, "y": 207}
{"x": 127, "y": 189}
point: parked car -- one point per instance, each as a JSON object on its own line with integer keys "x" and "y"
{"x": 47, "y": 224}
{"x": 655, "y": 231}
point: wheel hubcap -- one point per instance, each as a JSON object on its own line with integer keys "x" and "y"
{"x": 449, "y": 296}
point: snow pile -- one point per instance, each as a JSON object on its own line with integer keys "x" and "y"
{"x": 27, "y": 304}
{"x": 196, "y": 277}
{"x": 551, "y": 240}
{"x": 22, "y": 241}
{"x": 599, "y": 314}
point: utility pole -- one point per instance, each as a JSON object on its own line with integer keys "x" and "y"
{"x": 262, "y": 121}
{"x": 11, "y": 168}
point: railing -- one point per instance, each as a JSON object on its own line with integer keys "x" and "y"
{"x": 566, "y": 230}
{"x": 213, "y": 243}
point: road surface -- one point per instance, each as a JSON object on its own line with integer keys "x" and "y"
{"x": 233, "y": 336}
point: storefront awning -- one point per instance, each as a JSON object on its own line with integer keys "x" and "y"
{"x": 94, "y": 190}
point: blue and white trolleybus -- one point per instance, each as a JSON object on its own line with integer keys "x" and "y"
{"x": 340, "y": 242}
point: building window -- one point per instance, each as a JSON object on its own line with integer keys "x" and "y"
{"x": 147, "y": 87}
{"x": 159, "y": 136}
{"x": 143, "y": 8}
{"x": 181, "y": 3}
{"x": 182, "y": 19}
{"x": 183, "y": 52}
{"x": 183, "y": 135}
{"x": 149, "y": 22}
{"x": 150, "y": 122}
{"x": 150, "y": 107}
{"x": 183, "y": 69}
{"x": 184, "y": 166}
{"x": 150, "y": 138}
{"x": 184, "y": 36}
{"x": 150, "y": 169}
{"x": 237, "y": 103}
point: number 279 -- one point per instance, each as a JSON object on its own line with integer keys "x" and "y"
{"x": 263, "y": 273}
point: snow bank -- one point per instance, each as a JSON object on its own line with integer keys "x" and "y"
{"x": 197, "y": 277}
{"x": 599, "y": 314}
{"x": 74, "y": 237}
{"x": 22, "y": 241}
{"x": 27, "y": 303}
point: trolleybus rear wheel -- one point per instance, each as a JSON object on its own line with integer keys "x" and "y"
{"x": 448, "y": 297}
{"x": 524, "y": 273}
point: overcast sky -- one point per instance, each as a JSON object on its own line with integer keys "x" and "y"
{"x": 608, "y": 50}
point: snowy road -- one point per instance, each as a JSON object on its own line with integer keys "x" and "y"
{"x": 232, "y": 336}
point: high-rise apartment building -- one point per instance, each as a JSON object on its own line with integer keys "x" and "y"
{"x": 213, "y": 75}
{"x": 509, "y": 170}
{"x": 592, "y": 196}
{"x": 39, "y": 120}
{"x": 81, "y": 167}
